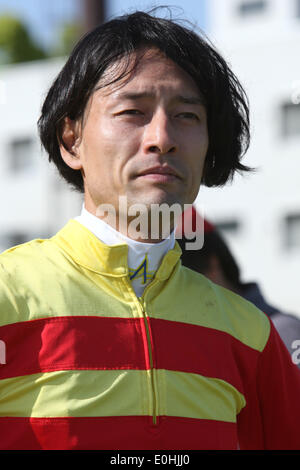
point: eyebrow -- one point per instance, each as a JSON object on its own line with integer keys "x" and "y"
{"x": 196, "y": 100}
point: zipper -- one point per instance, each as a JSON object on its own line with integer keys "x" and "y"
{"x": 152, "y": 378}
{"x": 150, "y": 353}
{"x": 141, "y": 302}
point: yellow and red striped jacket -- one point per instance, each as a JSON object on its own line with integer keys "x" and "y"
{"x": 88, "y": 365}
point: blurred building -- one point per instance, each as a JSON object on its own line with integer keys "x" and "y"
{"x": 34, "y": 201}
{"x": 259, "y": 214}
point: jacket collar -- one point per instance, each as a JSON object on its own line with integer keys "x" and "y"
{"x": 91, "y": 253}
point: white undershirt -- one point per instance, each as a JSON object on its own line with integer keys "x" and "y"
{"x": 139, "y": 253}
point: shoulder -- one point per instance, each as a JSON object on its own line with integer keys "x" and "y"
{"x": 21, "y": 258}
{"x": 20, "y": 267}
{"x": 219, "y": 308}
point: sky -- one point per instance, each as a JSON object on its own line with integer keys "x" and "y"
{"x": 43, "y": 17}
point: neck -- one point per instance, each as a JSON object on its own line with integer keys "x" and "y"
{"x": 140, "y": 229}
{"x": 143, "y": 228}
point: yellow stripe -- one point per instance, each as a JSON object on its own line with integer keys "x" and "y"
{"x": 58, "y": 288}
{"x": 39, "y": 280}
{"x": 194, "y": 396}
{"x": 119, "y": 393}
{"x": 74, "y": 393}
{"x": 209, "y": 305}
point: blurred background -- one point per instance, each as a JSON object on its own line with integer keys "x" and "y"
{"x": 258, "y": 214}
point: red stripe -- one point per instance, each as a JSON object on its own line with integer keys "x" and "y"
{"x": 60, "y": 343}
{"x": 115, "y": 433}
{"x": 206, "y": 351}
{"x": 66, "y": 343}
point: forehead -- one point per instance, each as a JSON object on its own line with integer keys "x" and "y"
{"x": 146, "y": 70}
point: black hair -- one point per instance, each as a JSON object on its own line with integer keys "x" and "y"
{"x": 226, "y": 101}
{"x": 214, "y": 245}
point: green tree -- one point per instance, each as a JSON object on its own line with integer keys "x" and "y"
{"x": 16, "y": 44}
{"x": 68, "y": 35}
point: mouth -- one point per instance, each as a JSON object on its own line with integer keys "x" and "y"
{"x": 160, "y": 174}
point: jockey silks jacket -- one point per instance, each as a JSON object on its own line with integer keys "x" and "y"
{"x": 85, "y": 364}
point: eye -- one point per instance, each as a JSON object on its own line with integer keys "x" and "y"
{"x": 133, "y": 112}
{"x": 188, "y": 115}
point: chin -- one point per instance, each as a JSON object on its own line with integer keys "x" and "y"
{"x": 158, "y": 198}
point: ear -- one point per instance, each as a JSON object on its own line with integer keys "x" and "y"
{"x": 69, "y": 147}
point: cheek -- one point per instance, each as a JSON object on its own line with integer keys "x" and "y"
{"x": 96, "y": 150}
{"x": 198, "y": 155}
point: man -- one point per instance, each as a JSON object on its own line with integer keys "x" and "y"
{"x": 218, "y": 264}
{"x": 97, "y": 356}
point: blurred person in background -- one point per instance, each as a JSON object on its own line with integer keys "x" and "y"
{"x": 112, "y": 343}
{"x": 216, "y": 261}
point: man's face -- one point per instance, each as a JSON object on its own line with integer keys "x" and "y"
{"x": 145, "y": 137}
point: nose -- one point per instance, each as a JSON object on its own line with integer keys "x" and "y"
{"x": 159, "y": 135}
